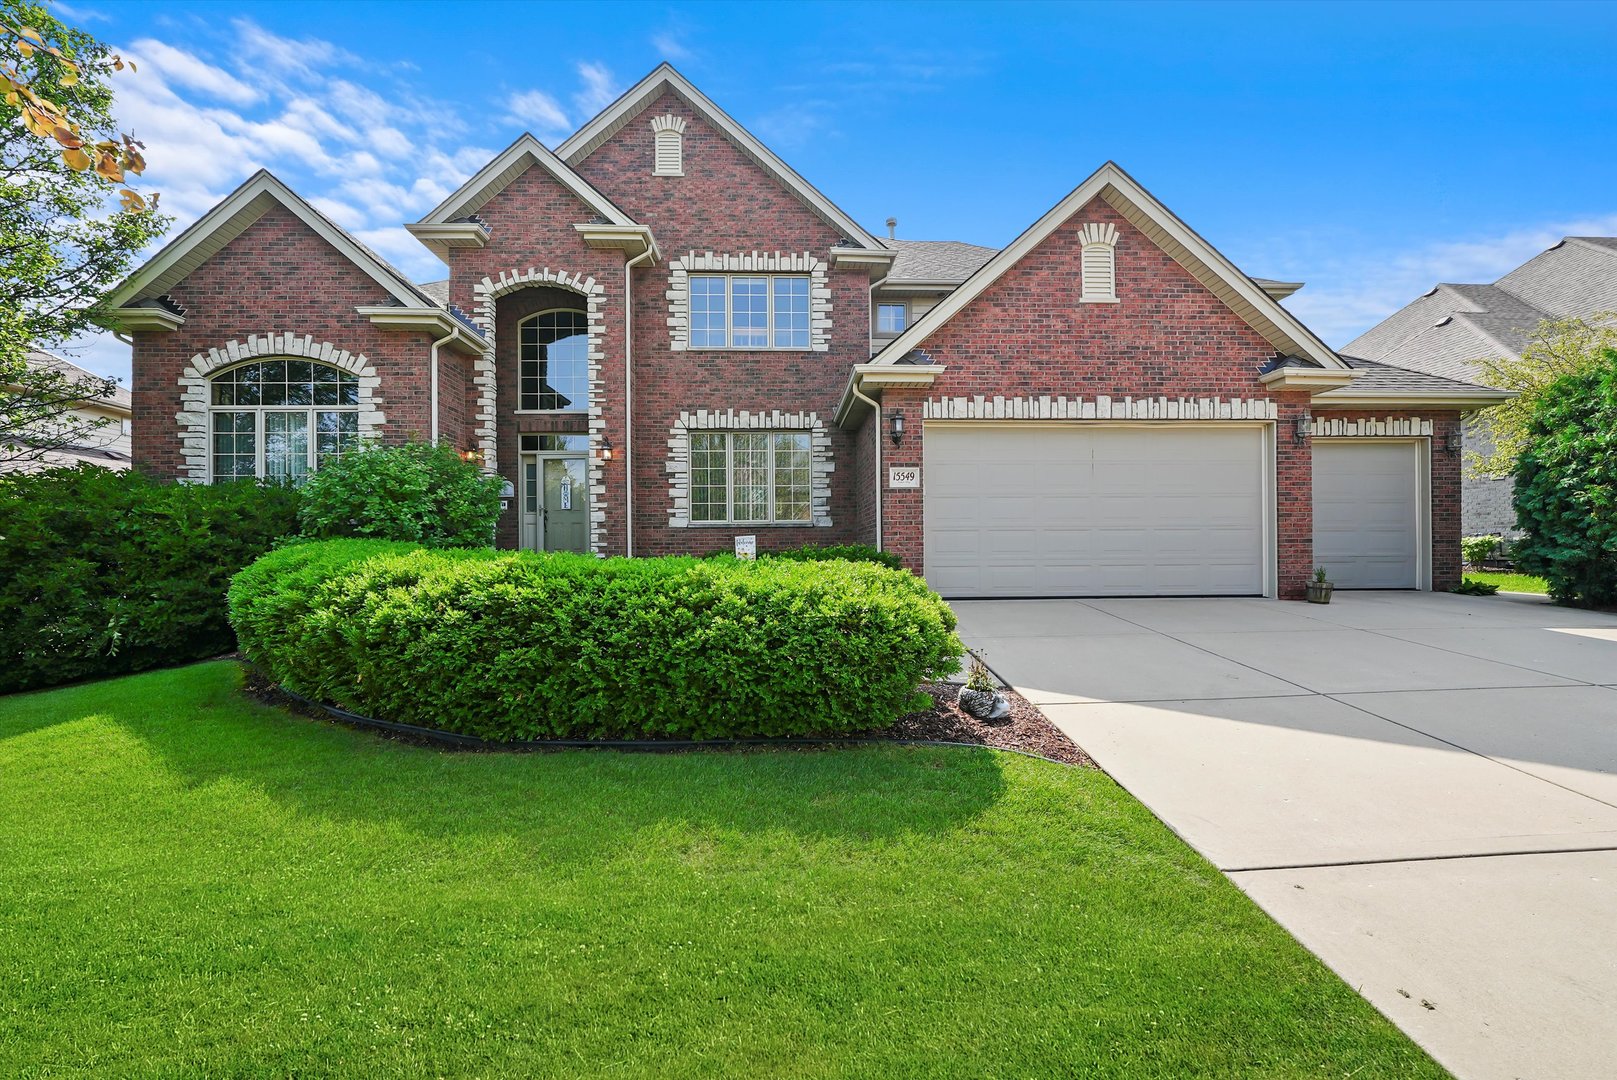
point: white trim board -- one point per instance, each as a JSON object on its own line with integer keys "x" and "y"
{"x": 511, "y": 163}
{"x": 1124, "y": 194}
{"x": 637, "y": 98}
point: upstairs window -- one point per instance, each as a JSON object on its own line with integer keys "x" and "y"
{"x": 668, "y": 149}
{"x": 554, "y": 362}
{"x": 892, "y": 319}
{"x": 1098, "y": 263}
{"x": 751, "y": 311}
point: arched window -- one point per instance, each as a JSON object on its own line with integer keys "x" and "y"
{"x": 281, "y": 419}
{"x": 554, "y": 362}
{"x": 1098, "y": 263}
{"x": 668, "y": 151}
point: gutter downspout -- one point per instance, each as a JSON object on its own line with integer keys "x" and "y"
{"x": 628, "y": 395}
{"x": 434, "y": 395}
{"x": 853, "y": 388}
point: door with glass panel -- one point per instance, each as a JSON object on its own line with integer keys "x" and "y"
{"x": 554, "y": 493}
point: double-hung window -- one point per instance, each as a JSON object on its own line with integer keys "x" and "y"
{"x": 749, "y": 311}
{"x": 751, "y": 477}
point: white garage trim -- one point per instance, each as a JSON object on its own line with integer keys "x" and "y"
{"x": 1423, "y": 494}
{"x": 1266, "y": 486}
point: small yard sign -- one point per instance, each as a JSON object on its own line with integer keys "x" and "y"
{"x": 746, "y": 547}
{"x": 904, "y": 476}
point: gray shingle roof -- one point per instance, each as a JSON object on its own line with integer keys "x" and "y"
{"x": 39, "y": 358}
{"x": 437, "y": 290}
{"x": 937, "y": 260}
{"x": 1378, "y": 378}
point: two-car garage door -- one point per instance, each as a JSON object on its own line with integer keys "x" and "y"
{"x": 1075, "y": 510}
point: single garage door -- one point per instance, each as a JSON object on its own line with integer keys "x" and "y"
{"x": 1367, "y": 512}
{"x": 1074, "y": 510}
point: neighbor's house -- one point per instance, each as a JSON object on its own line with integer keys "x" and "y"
{"x": 1452, "y": 328}
{"x": 106, "y": 445}
{"x": 662, "y": 337}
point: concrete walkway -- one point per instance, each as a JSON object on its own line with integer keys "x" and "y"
{"x": 1422, "y": 788}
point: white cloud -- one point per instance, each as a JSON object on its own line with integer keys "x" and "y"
{"x": 538, "y": 110}
{"x": 670, "y": 47}
{"x": 345, "y": 214}
{"x": 1348, "y": 295}
{"x": 184, "y": 69}
{"x": 269, "y": 54}
{"x": 78, "y": 14}
{"x": 599, "y": 88}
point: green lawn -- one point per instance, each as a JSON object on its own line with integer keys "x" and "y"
{"x": 1509, "y": 582}
{"x": 195, "y": 884}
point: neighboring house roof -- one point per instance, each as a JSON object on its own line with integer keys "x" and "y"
{"x": 511, "y": 163}
{"x": 1124, "y": 194}
{"x": 637, "y": 98}
{"x": 1453, "y": 327}
{"x": 209, "y": 234}
{"x": 118, "y": 401}
{"x": 941, "y": 261}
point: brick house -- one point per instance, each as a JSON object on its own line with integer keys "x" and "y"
{"x": 662, "y": 337}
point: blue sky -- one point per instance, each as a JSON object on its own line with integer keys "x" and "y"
{"x": 1369, "y": 150}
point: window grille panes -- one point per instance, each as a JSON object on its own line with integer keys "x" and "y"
{"x": 891, "y": 318}
{"x": 791, "y": 313}
{"x": 749, "y": 306}
{"x": 553, "y": 374}
{"x": 286, "y": 445}
{"x": 709, "y": 326}
{"x": 335, "y": 432}
{"x": 281, "y": 419}
{"x": 752, "y": 477}
{"x": 286, "y": 382}
{"x": 235, "y": 445}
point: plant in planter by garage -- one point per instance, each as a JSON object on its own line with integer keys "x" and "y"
{"x": 980, "y": 696}
{"x": 1319, "y": 590}
{"x": 1475, "y": 587}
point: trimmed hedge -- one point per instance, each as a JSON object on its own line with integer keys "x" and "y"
{"x": 104, "y": 573}
{"x": 509, "y": 646}
{"x": 825, "y": 553}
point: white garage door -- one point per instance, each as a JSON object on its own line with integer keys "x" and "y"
{"x": 1367, "y": 513}
{"x": 1094, "y": 511}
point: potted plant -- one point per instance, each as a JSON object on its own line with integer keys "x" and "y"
{"x": 980, "y": 696}
{"x": 1319, "y": 590}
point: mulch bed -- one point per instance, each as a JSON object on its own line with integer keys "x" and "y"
{"x": 1025, "y": 730}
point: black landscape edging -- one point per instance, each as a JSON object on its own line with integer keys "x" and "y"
{"x": 453, "y": 740}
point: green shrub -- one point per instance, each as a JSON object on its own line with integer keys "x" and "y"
{"x": 417, "y": 493}
{"x": 1473, "y": 587}
{"x": 826, "y": 553}
{"x": 1566, "y": 488}
{"x": 1474, "y": 550}
{"x": 103, "y": 573}
{"x": 519, "y": 645}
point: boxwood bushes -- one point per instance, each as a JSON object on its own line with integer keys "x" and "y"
{"x": 515, "y": 645}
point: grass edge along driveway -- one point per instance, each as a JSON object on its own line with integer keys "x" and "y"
{"x": 200, "y": 884}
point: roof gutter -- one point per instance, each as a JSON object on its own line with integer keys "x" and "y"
{"x": 1463, "y": 402}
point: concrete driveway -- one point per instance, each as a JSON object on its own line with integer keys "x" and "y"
{"x": 1421, "y": 787}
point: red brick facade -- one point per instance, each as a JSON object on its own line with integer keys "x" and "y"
{"x": 1027, "y": 335}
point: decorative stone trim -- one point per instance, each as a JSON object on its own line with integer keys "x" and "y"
{"x": 1394, "y": 426}
{"x": 484, "y": 295}
{"x": 679, "y": 456}
{"x": 1098, "y": 232}
{"x": 195, "y": 403}
{"x": 668, "y": 155}
{"x": 1101, "y": 408}
{"x": 679, "y": 290}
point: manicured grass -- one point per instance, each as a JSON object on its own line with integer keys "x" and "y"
{"x": 196, "y": 884}
{"x": 1509, "y": 582}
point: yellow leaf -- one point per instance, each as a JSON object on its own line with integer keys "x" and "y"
{"x": 132, "y": 202}
{"x": 36, "y": 122}
{"x": 25, "y": 48}
{"x": 69, "y": 78}
{"x": 30, "y": 33}
{"x": 77, "y": 160}
{"x": 66, "y": 137}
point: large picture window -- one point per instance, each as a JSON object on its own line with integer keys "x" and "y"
{"x": 735, "y": 311}
{"x": 752, "y": 477}
{"x": 554, "y": 362}
{"x": 281, "y": 419}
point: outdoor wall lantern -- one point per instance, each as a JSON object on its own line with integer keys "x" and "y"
{"x": 1453, "y": 442}
{"x": 606, "y": 448}
{"x": 898, "y": 428}
{"x": 1304, "y": 428}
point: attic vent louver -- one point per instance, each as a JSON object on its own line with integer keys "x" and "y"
{"x": 1098, "y": 262}
{"x": 668, "y": 135}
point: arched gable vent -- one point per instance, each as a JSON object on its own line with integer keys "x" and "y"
{"x": 1098, "y": 262}
{"x": 668, "y": 157}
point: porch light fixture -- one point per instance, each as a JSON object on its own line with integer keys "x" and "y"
{"x": 898, "y": 428}
{"x": 1453, "y": 441}
{"x": 606, "y": 448}
{"x": 1304, "y": 428}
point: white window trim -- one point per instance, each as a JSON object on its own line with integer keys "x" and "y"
{"x": 1100, "y": 237}
{"x": 259, "y": 432}
{"x": 195, "y": 417}
{"x": 668, "y": 131}
{"x": 706, "y": 421}
{"x": 756, "y": 264}
{"x": 769, "y": 328}
{"x": 772, "y": 517}
{"x": 589, "y": 389}
{"x": 875, "y": 324}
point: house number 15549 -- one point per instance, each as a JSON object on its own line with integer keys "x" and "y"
{"x": 904, "y": 476}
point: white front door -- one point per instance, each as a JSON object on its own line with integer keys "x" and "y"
{"x": 1095, "y": 510}
{"x": 1368, "y": 498}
